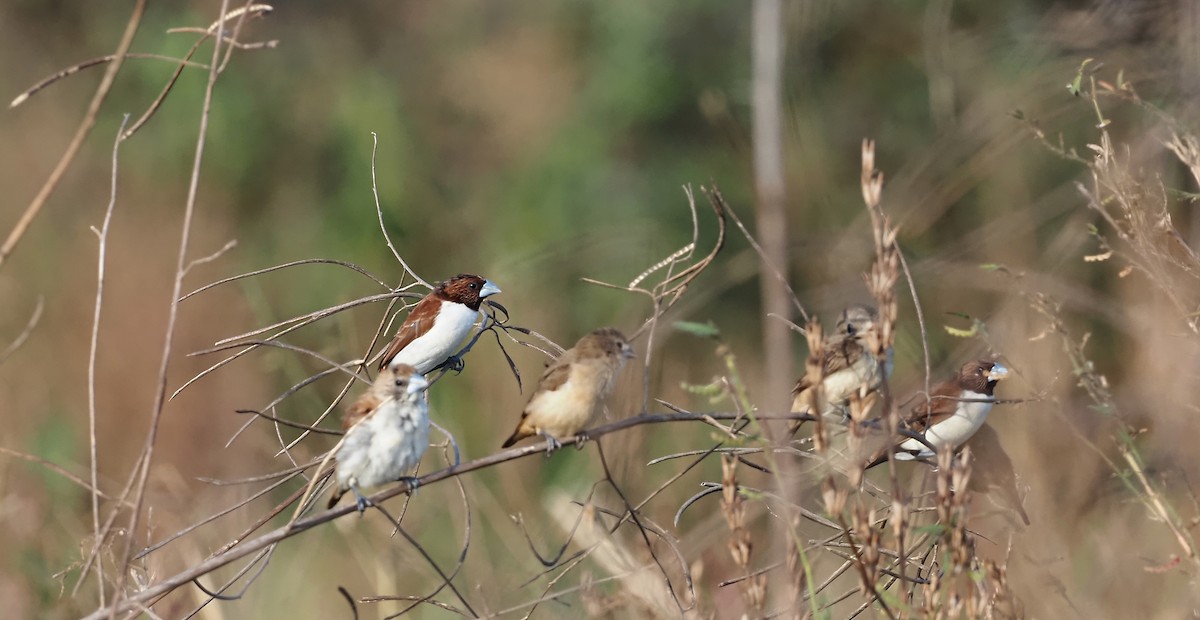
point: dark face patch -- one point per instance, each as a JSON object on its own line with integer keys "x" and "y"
{"x": 462, "y": 288}
{"x": 973, "y": 376}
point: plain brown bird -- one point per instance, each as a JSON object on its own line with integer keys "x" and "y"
{"x": 573, "y": 388}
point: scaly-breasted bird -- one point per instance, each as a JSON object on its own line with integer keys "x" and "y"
{"x": 954, "y": 412}
{"x": 848, "y": 368}
{"x": 387, "y": 432}
{"x": 573, "y": 388}
{"x": 439, "y": 323}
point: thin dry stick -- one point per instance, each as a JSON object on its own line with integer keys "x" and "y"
{"x": 307, "y": 261}
{"x": 241, "y": 13}
{"x": 19, "y": 341}
{"x": 147, "y": 458}
{"x": 81, "y": 134}
{"x": 102, "y": 254}
{"x": 252, "y": 546}
{"x": 58, "y": 469}
{"x": 94, "y": 62}
{"x": 305, "y": 320}
{"x": 247, "y": 10}
{"x": 379, "y": 213}
{"x": 632, "y": 513}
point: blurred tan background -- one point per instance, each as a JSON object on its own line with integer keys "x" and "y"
{"x": 539, "y": 142}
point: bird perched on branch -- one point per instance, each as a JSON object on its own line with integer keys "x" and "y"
{"x": 387, "y": 432}
{"x": 848, "y": 368}
{"x": 437, "y": 326}
{"x": 955, "y": 410}
{"x": 573, "y": 388}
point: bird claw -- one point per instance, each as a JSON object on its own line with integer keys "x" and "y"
{"x": 454, "y": 363}
{"x": 581, "y": 438}
{"x": 552, "y": 444}
{"x": 361, "y": 502}
{"x": 413, "y": 483}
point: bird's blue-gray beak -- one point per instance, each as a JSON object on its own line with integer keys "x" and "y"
{"x": 489, "y": 289}
{"x": 997, "y": 373}
{"x": 417, "y": 383}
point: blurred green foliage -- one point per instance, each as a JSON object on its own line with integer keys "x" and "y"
{"x": 537, "y": 143}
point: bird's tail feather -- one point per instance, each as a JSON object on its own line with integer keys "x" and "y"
{"x": 517, "y": 435}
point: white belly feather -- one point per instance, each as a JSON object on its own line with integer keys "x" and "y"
{"x": 840, "y": 386}
{"x": 384, "y": 447}
{"x": 953, "y": 431}
{"x": 564, "y": 412}
{"x": 451, "y": 327}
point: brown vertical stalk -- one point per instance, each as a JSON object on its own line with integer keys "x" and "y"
{"x": 754, "y": 587}
{"x": 771, "y": 190}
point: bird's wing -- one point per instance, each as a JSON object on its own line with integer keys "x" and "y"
{"x": 556, "y": 375}
{"x": 943, "y": 402}
{"x": 359, "y": 410}
{"x": 839, "y": 354}
{"x": 419, "y": 320}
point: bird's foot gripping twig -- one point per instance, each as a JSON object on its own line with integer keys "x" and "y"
{"x": 581, "y": 438}
{"x": 454, "y": 363}
{"x": 361, "y": 502}
{"x": 413, "y": 482}
{"x": 552, "y": 443}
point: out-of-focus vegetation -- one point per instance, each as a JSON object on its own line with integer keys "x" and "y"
{"x": 540, "y": 142}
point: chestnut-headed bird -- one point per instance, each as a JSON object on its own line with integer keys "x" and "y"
{"x": 437, "y": 326}
{"x": 955, "y": 410}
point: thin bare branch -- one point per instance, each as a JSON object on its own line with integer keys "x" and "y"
{"x": 81, "y": 134}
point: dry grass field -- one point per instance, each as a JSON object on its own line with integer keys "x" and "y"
{"x": 204, "y": 246}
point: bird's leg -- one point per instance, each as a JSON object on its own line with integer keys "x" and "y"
{"x": 581, "y": 438}
{"x": 552, "y": 443}
{"x": 454, "y": 363}
{"x": 361, "y": 502}
{"x": 413, "y": 483}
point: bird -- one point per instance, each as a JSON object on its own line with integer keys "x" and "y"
{"x": 849, "y": 368}
{"x": 992, "y": 472}
{"x": 438, "y": 324}
{"x": 955, "y": 411}
{"x": 387, "y": 432}
{"x": 573, "y": 388}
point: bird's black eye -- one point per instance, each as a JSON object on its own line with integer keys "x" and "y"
{"x": 401, "y": 382}
{"x": 850, "y": 329}
{"x": 473, "y": 285}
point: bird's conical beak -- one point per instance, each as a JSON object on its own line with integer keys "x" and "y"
{"x": 997, "y": 373}
{"x": 489, "y": 289}
{"x": 417, "y": 383}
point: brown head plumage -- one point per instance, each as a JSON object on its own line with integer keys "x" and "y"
{"x": 464, "y": 288}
